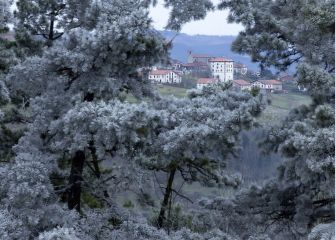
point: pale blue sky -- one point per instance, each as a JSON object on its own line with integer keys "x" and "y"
{"x": 214, "y": 24}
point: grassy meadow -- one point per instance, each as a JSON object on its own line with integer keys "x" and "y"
{"x": 280, "y": 105}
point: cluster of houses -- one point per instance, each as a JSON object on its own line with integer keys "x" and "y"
{"x": 243, "y": 85}
{"x": 220, "y": 69}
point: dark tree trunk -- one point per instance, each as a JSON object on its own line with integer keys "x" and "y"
{"x": 89, "y": 97}
{"x": 95, "y": 161}
{"x": 167, "y": 196}
{"x": 96, "y": 166}
{"x": 51, "y": 29}
{"x": 75, "y": 179}
{"x": 76, "y": 175}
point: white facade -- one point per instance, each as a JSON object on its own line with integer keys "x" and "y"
{"x": 222, "y": 69}
{"x": 268, "y": 85}
{"x": 204, "y": 82}
{"x": 164, "y": 76}
{"x": 240, "y": 69}
{"x": 200, "y": 86}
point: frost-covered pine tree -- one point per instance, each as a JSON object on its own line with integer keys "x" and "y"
{"x": 4, "y": 19}
{"x": 83, "y": 139}
{"x": 185, "y": 11}
{"x": 6, "y": 53}
{"x": 86, "y": 66}
{"x": 5, "y": 14}
{"x": 281, "y": 33}
{"x": 202, "y": 131}
{"x": 7, "y": 59}
{"x": 40, "y": 23}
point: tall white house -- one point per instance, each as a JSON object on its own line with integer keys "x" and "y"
{"x": 222, "y": 69}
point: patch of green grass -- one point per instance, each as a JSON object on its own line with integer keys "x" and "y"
{"x": 128, "y": 204}
{"x": 281, "y": 105}
{"x": 132, "y": 99}
{"x": 171, "y": 90}
{"x": 90, "y": 200}
{"x": 288, "y": 101}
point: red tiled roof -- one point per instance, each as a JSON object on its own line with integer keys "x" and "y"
{"x": 241, "y": 82}
{"x": 207, "y": 81}
{"x": 162, "y": 72}
{"x": 221, "y": 59}
{"x": 270, "y": 82}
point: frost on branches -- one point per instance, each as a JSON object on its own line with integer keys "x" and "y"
{"x": 89, "y": 65}
{"x": 282, "y": 33}
{"x": 5, "y": 15}
{"x": 323, "y": 231}
{"x": 40, "y": 23}
{"x": 6, "y": 52}
{"x": 84, "y": 139}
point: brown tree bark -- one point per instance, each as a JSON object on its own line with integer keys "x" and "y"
{"x": 75, "y": 179}
{"x": 167, "y": 196}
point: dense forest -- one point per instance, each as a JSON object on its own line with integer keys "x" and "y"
{"x": 80, "y": 161}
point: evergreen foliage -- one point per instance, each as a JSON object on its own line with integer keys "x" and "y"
{"x": 83, "y": 142}
{"x": 282, "y": 33}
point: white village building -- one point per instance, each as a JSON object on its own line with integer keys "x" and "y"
{"x": 164, "y": 76}
{"x": 222, "y": 69}
{"x": 242, "y": 85}
{"x": 240, "y": 68}
{"x": 204, "y": 82}
{"x": 268, "y": 85}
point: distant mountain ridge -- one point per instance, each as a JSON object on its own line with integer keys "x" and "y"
{"x": 203, "y": 44}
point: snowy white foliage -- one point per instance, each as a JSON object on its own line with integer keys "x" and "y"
{"x": 76, "y": 90}
{"x": 59, "y": 234}
{"x": 10, "y": 227}
{"x": 4, "y": 94}
{"x": 323, "y": 232}
{"x": 103, "y": 61}
{"x": 4, "y": 97}
{"x": 5, "y": 13}
{"x": 282, "y": 33}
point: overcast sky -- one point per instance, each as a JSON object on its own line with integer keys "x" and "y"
{"x": 214, "y": 24}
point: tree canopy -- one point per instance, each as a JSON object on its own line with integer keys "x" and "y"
{"x": 79, "y": 62}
